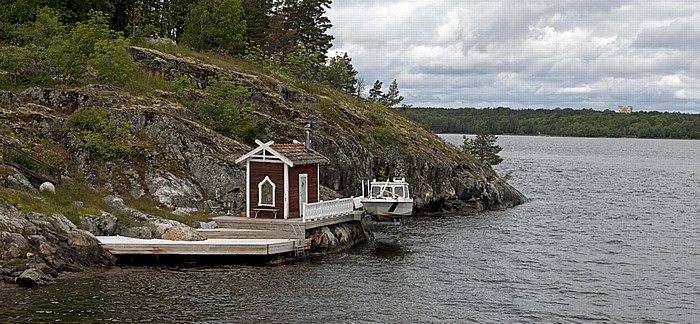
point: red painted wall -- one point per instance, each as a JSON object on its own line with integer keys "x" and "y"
{"x": 311, "y": 171}
{"x": 258, "y": 172}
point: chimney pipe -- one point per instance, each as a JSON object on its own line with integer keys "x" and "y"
{"x": 307, "y": 143}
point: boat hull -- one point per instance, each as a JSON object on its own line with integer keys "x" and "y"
{"x": 384, "y": 209}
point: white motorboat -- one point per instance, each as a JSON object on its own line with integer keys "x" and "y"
{"x": 388, "y": 200}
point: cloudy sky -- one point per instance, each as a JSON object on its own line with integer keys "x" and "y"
{"x": 527, "y": 54}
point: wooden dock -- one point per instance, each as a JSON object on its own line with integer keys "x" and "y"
{"x": 235, "y": 236}
{"x": 119, "y": 245}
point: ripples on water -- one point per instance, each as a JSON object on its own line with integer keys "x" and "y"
{"x": 611, "y": 235}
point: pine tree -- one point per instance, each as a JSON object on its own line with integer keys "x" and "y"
{"x": 392, "y": 97}
{"x": 376, "y": 94}
{"x": 216, "y": 24}
{"x": 341, "y": 74}
{"x": 257, "y": 16}
{"x": 483, "y": 148}
{"x": 306, "y": 18}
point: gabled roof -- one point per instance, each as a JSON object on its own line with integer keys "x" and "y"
{"x": 290, "y": 154}
{"x": 299, "y": 154}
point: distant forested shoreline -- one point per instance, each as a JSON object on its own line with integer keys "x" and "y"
{"x": 558, "y": 122}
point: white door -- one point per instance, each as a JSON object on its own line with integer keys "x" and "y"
{"x": 303, "y": 192}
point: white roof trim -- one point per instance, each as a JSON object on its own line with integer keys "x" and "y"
{"x": 261, "y": 147}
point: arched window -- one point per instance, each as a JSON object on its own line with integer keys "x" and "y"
{"x": 266, "y": 193}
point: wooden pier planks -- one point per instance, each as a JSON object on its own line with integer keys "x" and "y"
{"x": 236, "y": 236}
{"x": 126, "y": 245}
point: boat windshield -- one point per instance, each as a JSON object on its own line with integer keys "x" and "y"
{"x": 376, "y": 191}
{"x": 399, "y": 191}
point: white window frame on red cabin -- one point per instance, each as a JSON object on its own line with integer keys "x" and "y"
{"x": 260, "y": 192}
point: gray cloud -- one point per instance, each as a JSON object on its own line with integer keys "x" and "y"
{"x": 680, "y": 35}
{"x": 581, "y": 54}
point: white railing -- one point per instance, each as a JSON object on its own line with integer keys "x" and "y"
{"x": 327, "y": 209}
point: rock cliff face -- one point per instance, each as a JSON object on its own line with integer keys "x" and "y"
{"x": 441, "y": 179}
{"x": 181, "y": 163}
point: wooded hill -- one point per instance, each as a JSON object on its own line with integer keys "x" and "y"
{"x": 558, "y": 122}
{"x": 78, "y": 42}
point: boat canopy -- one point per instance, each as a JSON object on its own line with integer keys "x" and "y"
{"x": 398, "y": 188}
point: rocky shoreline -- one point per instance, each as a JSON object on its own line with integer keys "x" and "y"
{"x": 37, "y": 247}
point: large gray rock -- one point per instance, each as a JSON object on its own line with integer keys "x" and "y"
{"x": 339, "y": 236}
{"x": 20, "y": 182}
{"x": 103, "y": 225}
{"x": 174, "y": 231}
{"x": 153, "y": 227}
{"x": 9, "y": 98}
{"x": 139, "y": 232}
{"x": 172, "y": 191}
{"x": 32, "y": 278}
{"x": 15, "y": 246}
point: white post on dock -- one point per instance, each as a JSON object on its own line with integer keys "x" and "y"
{"x": 303, "y": 212}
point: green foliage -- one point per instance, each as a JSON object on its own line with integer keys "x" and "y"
{"x": 381, "y": 175}
{"x": 43, "y": 30}
{"x": 109, "y": 137}
{"x": 14, "y": 60}
{"x": 376, "y": 93}
{"x": 341, "y": 74}
{"x": 227, "y": 110}
{"x": 377, "y": 114}
{"x": 32, "y": 164}
{"x": 269, "y": 62}
{"x": 113, "y": 65}
{"x": 559, "y": 122}
{"x": 392, "y": 97}
{"x": 63, "y": 202}
{"x": 17, "y": 11}
{"x": 50, "y": 52}
{"x": 483, "y": 148}
{"x": 70, "y": 54}
{"x": 304, "y": 64}
{"x": 15, "y": 262}
{"x": 383, "y": 134}
{"x": 306, "y": 20}
{"x": 216, "y": 24}
{"x": 257, "y": 17}
{"x": 84, "y": 35}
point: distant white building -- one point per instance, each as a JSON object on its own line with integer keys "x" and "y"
{"x": 624, "y": 109}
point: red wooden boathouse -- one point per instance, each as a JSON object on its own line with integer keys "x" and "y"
{"x": 280, "y": 179}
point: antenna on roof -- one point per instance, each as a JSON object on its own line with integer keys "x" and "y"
{"x": 307, "y": 130}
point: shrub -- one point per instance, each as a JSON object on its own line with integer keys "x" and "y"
{"x": 227, "y": 110}
{"x": 112, "y": 64}
{"x": 109, "y": 137}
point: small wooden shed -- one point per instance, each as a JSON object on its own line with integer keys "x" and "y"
{"x": 280, "y": 178}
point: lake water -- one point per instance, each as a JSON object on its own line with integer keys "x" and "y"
{"x": 612, "y": 234}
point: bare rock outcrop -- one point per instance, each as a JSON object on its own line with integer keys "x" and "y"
{"x": 153, "y": 227}
{"x": 339, "y": 236}
{"x": 36, "y": 247}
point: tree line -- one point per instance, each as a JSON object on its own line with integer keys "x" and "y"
{"x": 558, "y": 122}
{"x": 288, "y": 37}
